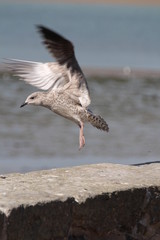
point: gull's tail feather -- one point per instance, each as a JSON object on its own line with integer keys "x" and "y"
{"x": 97, "y": 121}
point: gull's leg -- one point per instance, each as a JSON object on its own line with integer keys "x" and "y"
{"x": 81, "y": 136}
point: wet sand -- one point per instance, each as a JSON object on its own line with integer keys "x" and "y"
{"x": 130, "y": 2}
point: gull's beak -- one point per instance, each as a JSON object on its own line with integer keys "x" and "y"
{"x": 23, "y": 104}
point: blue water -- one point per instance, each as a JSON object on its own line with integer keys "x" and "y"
{"x": 33, "y": 138}
{"x": 103, "y": 35}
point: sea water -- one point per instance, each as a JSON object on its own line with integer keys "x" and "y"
{"x": 34, "y": 138}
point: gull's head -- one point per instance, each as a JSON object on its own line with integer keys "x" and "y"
{"x": 34, "y": 99}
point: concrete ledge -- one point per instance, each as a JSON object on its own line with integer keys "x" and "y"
{"x": 95, "y": 202}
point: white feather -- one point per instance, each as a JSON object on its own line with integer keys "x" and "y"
{"x": 40, "y": 75}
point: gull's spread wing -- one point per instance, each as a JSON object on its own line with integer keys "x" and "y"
{"x": 40, "y": 75}
{"x": 63, "y": 75}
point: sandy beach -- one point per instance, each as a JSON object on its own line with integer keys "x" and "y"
{"x": 130, "y": 2}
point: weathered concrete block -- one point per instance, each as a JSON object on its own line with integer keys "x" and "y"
{"x": 95, "y": 202}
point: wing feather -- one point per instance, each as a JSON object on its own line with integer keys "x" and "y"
{"x": 40, "y": 75}
{"x": 61, "y": 48}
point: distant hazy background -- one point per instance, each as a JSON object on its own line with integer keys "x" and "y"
{"x": 105, "y": 37}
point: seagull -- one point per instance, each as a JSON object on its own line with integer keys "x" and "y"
{"x": 65, "y": 89}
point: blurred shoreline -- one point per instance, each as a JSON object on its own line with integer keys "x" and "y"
{"x": 121, "y": 72}
{"x": 118, "y": 2}
{"x": 111, "y": 72}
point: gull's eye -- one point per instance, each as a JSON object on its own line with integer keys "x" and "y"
{"x": 32, "y": 97}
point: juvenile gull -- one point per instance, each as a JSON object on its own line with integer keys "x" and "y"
{"x": 65, "y": 87}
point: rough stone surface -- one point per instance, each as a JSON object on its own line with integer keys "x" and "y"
{"x": 92, "y": 202}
